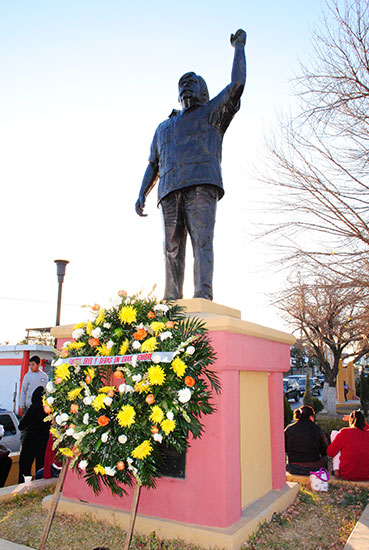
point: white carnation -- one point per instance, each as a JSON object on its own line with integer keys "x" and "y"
{"x": 110, "y": 344}
{"x": 122, "y": 439}
{"x": 66, "y": 344}
{"x": 184, "y": 395}
{"x": 155, "y": 358}
{"x": 110, "y": 471}
{"x": 96, "y": 333}
{"x": 190, "y": 350}
{"x": 86, "y": 418}
{"x": 125, "y": 388}
{"x": 50, "y": 400}
{"x": 61, "y": 418}
{"x": 136, "y": 344}
{"x": 165, "y": 335}
{"x": 157, "y": 437}
{"x": 88, "y": 400}
{"x": 107, "y": 325}
{"x": 50, "y": 388}
{"x": 170, "y": 415}
{"x": 76, "y": 334}
{"x": 136, "y": 377}
{"x": 83, "y": 465}
{"x": 161, "y": 308}
{"x": 108, "y": 400}
{"x": 104, "y": 437}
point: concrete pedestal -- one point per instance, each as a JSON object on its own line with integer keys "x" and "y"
{"x": 239, "y": 462}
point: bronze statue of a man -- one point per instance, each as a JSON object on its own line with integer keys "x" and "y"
{"x": 186, "y": 156}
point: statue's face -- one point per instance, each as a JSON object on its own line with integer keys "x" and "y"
{"x": 189, "y": 89}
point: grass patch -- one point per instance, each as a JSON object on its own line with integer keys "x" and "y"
{"x": 315, "y": 521}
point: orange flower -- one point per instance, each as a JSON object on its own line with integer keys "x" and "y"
{"x": 96, "y": 307}
{"x": 93, "y": 342}
{"x": 58, "y": 380}
{"x": 170, "y": 324}
{"x": 47, "y": 408}
{"x": 154, "y": 429}
{"x": 74, "y": 408}
{"x": 64, "y": 353}
{"x": 122, "y": 293}
{"x": 118, "y": 374}
{"x": 110, "y": 393}
{"x": 120, "y": 465}
{"x": 140, "y": 334}
{"x": 87, "y": 379}
{"x": 72, "y": 426}
{"x": 103, "y": 420}
{"x": 189, "y": 381}
{"x": 150, "y": 399}
{"x": 151, "y": 315}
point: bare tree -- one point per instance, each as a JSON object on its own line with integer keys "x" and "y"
{"x": 318, "y": 164}
{"x": 331, "y": 318}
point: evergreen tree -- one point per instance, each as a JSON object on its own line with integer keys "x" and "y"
{"x": 308, "y": 396}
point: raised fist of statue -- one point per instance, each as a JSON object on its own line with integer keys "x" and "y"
{"x": 239, "y": 38}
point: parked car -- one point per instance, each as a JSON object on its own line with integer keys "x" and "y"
{"x": 320, "y": 379}
{"x": 12, "y": 435}
{"x": 315, "y": 388}
{"x": 291, "y": 389}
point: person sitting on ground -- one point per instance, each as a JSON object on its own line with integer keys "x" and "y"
{"x": 37, "y": 434}
{"x": 305, "y": 443}
{"x": 5, "y": 460}
{"x": 353, "y": 443}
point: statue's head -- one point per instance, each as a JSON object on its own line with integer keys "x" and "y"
{"x": 192, "y": 89}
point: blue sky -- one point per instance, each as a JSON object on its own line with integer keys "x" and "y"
{"x": 83, "y": 86}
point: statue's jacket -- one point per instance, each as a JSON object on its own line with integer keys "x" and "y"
{"x": 187, "y": 146}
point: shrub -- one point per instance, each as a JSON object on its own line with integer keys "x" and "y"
{"x": 328, "y": 424}
{"x": 317, "y": 405}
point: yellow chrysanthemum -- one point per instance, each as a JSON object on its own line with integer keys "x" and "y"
{"x": 55, "y": 433}
{"x": 143, "y": 386}
{"x": 104, "y": 350}
{"x": 79, "y": 325}
{"x": 128, "y": 315}
{"x": 179, "y": 367}
{"x": 149, "y": 345}
{"x": 72, "y": 394}
{"x": 89, "y": 328}
{"x": 66, "y": 451}
{"x": 62, "y": 371}
{"x": 157, "y": 326}
{"x": 98, "y": 402}
{"x": 106, "y": 389}
{"x": 76, "y": 345}
{"x": 90, "y": 372}
{"x": 157, "y": 414}
{"x": 142, "y": 450}
{"x": 99, "y": 469}
{"x": 156, "y": 375}
{"x": 123, "y": 348}
{"x": 126, "y": 416}
{"x": 99, "y": 319}
{"x": 168, "y": 426}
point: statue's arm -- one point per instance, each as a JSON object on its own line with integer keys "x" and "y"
{"x": 238, "y": 41}
{"x": 148, "y": 182}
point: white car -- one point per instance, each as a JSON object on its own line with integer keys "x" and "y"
{"x": 12, "y": 436}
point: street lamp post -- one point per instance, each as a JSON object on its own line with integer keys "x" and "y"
{"x": 60, "y": 271}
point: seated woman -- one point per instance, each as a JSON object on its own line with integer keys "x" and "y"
{"x": 305, "y": 443}
{"x": 353, "y": 443}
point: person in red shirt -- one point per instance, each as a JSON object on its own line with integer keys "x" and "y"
{"x": 353, "y": 443}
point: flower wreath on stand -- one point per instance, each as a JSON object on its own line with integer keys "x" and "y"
{"x": 134, "y": 378}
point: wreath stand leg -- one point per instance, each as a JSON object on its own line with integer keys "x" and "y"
{"x": 136, "y": 495}
{"x": 53, "y": 506}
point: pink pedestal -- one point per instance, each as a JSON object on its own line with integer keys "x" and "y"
{"x": 216, "y": 488}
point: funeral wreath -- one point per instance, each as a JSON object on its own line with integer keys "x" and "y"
{"x": 136, "y": 376}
